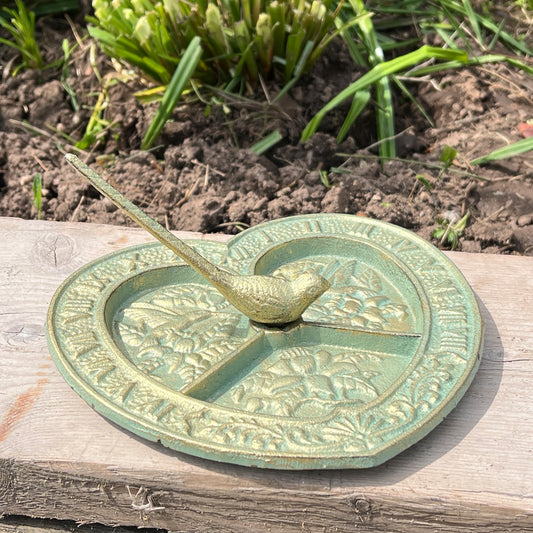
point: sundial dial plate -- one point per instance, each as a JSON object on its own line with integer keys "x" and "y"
{"x": 375, "y": 363}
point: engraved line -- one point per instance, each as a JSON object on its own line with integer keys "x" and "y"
{"x": 100, "y": 376}
{"x": 163, "y": 409}
{"x": 312, "y": 226}
{"x": 127, "y": 393}
{"x": 267, "y": 237}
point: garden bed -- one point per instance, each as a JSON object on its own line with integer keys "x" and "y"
{"x": 202, "y": 175}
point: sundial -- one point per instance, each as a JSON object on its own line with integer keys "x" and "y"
{"x": 387, "y": 343}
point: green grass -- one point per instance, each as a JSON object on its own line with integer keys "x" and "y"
{"x": 47, "y": 7}
{"x": 231, "y": 46}
{"x": 511, "y": 150}
{"x": 378, "y": 73}
{"x": 468, "y": 36}
{"x": 20, "y": 24}
{"x": 37, "y": 188}
{"x": 182, "y": 75}
{"x": 242, "y": 40}
{"x": 18, "y": 19}
{"x": 267, "y": 142}
{"x": 449, "y": 232}
{"x": 237, "y": 43}
{"x": 372, "y": 56}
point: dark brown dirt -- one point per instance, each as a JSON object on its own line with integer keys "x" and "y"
{"x": 204, "y": 177}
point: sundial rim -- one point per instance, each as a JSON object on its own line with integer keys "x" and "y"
{"x": 82, "y": 334}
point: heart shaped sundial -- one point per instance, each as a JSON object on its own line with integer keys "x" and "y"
{"x": 372, "y": 365}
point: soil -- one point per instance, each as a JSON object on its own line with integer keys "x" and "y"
{"x": 203, "y": 176}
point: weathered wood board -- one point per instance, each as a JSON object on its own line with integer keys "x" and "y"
{"x": 60, "y": 459}
{"x": 20, "y": 524}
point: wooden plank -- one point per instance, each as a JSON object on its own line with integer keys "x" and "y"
{"x": 22, "y": 524}
{"x": 59, "y": 459}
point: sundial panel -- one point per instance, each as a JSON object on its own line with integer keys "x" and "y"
{"x": 375, "y": 363}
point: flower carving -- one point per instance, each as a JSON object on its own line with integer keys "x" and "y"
{"x": 306, "y": 382}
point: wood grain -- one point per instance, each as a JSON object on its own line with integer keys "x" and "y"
{"x": 59, "y": 459}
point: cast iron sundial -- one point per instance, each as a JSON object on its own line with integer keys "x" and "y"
{"x": 375, "y": 362}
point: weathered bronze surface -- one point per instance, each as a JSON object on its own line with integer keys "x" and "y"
{"x": 372, "y": 366}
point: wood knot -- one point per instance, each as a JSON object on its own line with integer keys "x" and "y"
{"x": 54, "y": 251}
{"x": 362, "y": 508}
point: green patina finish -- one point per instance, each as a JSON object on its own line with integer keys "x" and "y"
{"x": 373, "y": 364}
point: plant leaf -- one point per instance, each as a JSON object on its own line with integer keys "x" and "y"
{"x": 180, "y": 78}
{"x": 378, "y": 72}
{"x": 511, "y": 150}
{"x": 359, "y": 102}
{"x": 267, "y": 142}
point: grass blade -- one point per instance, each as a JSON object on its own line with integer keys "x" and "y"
{"x": 359, "y": 102}
{"x": 53, "y": 8}
{"x": 480, "y": 60}
{"x": 180, "y": 78}
{"x": 37, "y": 188}
{"x": 353, "y": 47}
{"x": 380, "y": 71}
{"x": 516, "y": 148}
{"x": 408, "y": 94}
{"x": 127, "y": 51}
{"x": 385, "y": 119}
{"x": 298, "y": 70}
{"x": 292, "y": 52}
{"x": 267, "y": 142}
{"x": 472, "y": 16}
{"x": 454, "y": 7}
{"x": 385, "y": 106}
{"x": 20, "y": 23}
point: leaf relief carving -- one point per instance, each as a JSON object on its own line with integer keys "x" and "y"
{"x": 305, "y": 382}
{"x": 176, "y": 333}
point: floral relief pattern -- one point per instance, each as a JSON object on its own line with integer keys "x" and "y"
{"x": 178, "y": 332}
{"x": 354, "y": 432}
{"x": 306, "y": 382}
{"x": 175, "y": 335}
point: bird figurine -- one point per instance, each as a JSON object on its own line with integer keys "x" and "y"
{"x": 264, "y": 299}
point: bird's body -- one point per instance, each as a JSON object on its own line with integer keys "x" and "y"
{"x": 265, "y": 299}
{"x": 272, "y": 300}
